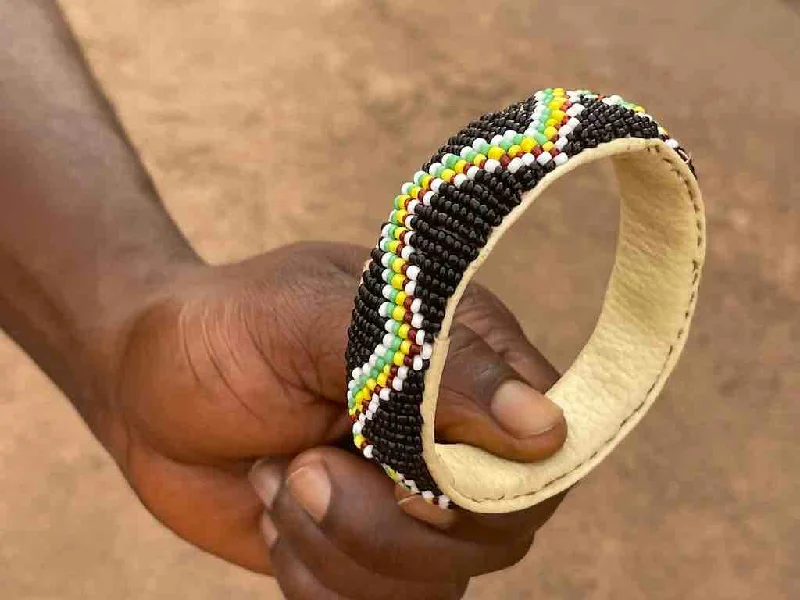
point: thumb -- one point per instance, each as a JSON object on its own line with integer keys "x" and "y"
{"x": 487, "y": 401}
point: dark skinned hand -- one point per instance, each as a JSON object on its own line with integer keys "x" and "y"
{"x": 237, "y": 364}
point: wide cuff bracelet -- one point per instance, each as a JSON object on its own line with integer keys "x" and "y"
{"x": 444, "y": 224}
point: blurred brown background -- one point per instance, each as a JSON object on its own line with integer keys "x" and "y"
{"x": 269, "y": 122}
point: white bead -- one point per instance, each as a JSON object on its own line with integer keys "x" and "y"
{"x": 370, "y": 414}
{"x": 386, "y": 260}
{"x": 673, "y": 143}
{"x": 373, "y": 404}
{"x": 384, "y": 393}
{"x": 412, "y": 272}
{"x": 402, "y": 372}
{"x": 528, "y": 159}
{"x": 491, "y": 165}
{"x": 368, "y": 452}
{"x": 351, "y": 384}
{"x": 478, "y": 143}
{"x": 410, "y": 288}
{"x": 561, "y": 142}
{"x": 427, "y": 351}
{"x": 420, "y": 337}
{"x": 459, "y": 179}
{"x": 412, "y": 206}
{"x": 575, "y": 110}
{"x": 561, "y": 159}
{"x": 434, "y": 167}
{"x": 406, "y": 252}
{"x": 389, "y": 325}
{"x": 417, "y": 363}
{"x": 472, "y": 172}
{"x": 544, "y": 158}
{"x": 446, "y": 157}
{"x": 373, "y": 360}
{"x": 509, "y": 134}
{"x": 426, "y": 199}
{"x": 356, "y": 373}
{"x": 408, "y": 220}
{"x": 496, "y": 140}
{"x": 465, "y": 152}
{"x": 416, "y": 321}
{"x": 436, "y": 184}
{"x": 409, "y": 235}
{"x": 397, "y": 384}
{"x": 384, "y": 309}
{"x": 380, "y": 350}
{"x": 416, "y": 305}
{"x": 386, "y": 274}
{"x": 428, "y": 495}
{"x": 515, "y": 164}
{"x": 388, "y": 339}
{"x": 444, "y": 501}
{"x": 412, "y": 485}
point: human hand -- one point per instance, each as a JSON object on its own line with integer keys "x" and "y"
{"x": 231, "y": 365}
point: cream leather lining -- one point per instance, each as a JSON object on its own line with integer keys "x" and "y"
{"x": 637, "y": 340}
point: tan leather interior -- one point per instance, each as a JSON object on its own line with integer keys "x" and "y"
{"x": 637, "y": 340}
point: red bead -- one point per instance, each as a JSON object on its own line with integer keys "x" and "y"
{"x": 407, "y": 302}
{"x": 537, "y": 151}
{"x": 404, "y": 268}
{"x": 555, "y": 152}
{"x": 482, "y": 163}
{"x": 420, "y": 194}
{"x": 407, "y": 318}
{"x": 412, "y": 334}
{"x": 415, "y": 349}
{"x": 408, "y": 361}
{"x": 393, "y": 371}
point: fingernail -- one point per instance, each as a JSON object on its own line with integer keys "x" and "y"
{"x": 311, "y": 487}
{"x": 266, "y": 479}
{"x": 524, "y": 412}
{"x": 415, "y": 506}
{"x": 268, "y": 530}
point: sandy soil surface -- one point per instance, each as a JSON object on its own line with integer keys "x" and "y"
{"x": 269, "y": 122}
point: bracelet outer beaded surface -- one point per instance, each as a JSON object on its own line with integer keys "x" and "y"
{"x": 444, "y": 223}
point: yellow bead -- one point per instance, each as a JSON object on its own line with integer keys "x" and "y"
{"x": 527, "y": 144}
{"x": 382, "y": 379}
{"x": 414, "y": 191}
{"x": 398, "y": 359}
{"x": 514, "y": 151}
{"x": 550, "y": 123}
{"x": 398, "y": 281}
{"x": 393, "y": 246}
{"x": 371, "y": 383}
{"x": 403, "y": 330}
{"x": 447, "y": 175}
{"x": 638, "y": 109}
{"x": 399, "y": 231}
{"x": 398, "y": 312}
{"x": 358, "y": 440}
{"x": 426, "y": 181}
{"x": 400, "y": 215}
{"x": 362, "y": 395}
{"x": 397, "y": 264}
{"x": 559, "y": 92}
{"x": 550, "y": 132}
{"x": 558, "y": 115}
{"x": 460, "y": 166}
{"x": 547, "y": 146}
{"x": 479, "y": 158}
{"x": 405, "y": 347}
{"x": 400, "y": 298}
{"x": 495, "y": 152}
{"x": 387, "y": 369}
{"x": 557, "y": 103}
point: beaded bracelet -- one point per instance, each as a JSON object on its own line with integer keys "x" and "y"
{"x": 443, "y": 226}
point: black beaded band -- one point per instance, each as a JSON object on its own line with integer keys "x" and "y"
{"x": 441, "y": 221}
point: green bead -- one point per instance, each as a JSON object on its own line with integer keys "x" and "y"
{"x": 395, "y": 343}
{"x": 374, "y": 373}
{"x": 393, "y": 294}
{"x": 484, "y": 149}
{"x": 396, "y": 327}
{"x": 418, "y": 177}
{"x": 505, "y": 144}
{"x": 471, "y": 154}
{"x": 518, "y": 139}
{"x": 539, "y": 137}
{"x": 450, "y": 161}
{"x": 379, "y": 364}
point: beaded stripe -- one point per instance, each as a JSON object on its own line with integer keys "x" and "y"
{"x": 441, "y": 220}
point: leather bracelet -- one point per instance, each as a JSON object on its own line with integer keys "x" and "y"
{"x": 445, "y": 223}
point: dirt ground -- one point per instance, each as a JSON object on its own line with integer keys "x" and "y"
{"x": 269, "y": 122}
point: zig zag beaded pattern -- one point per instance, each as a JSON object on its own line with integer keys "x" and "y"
{"x": 440, "y": 222}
